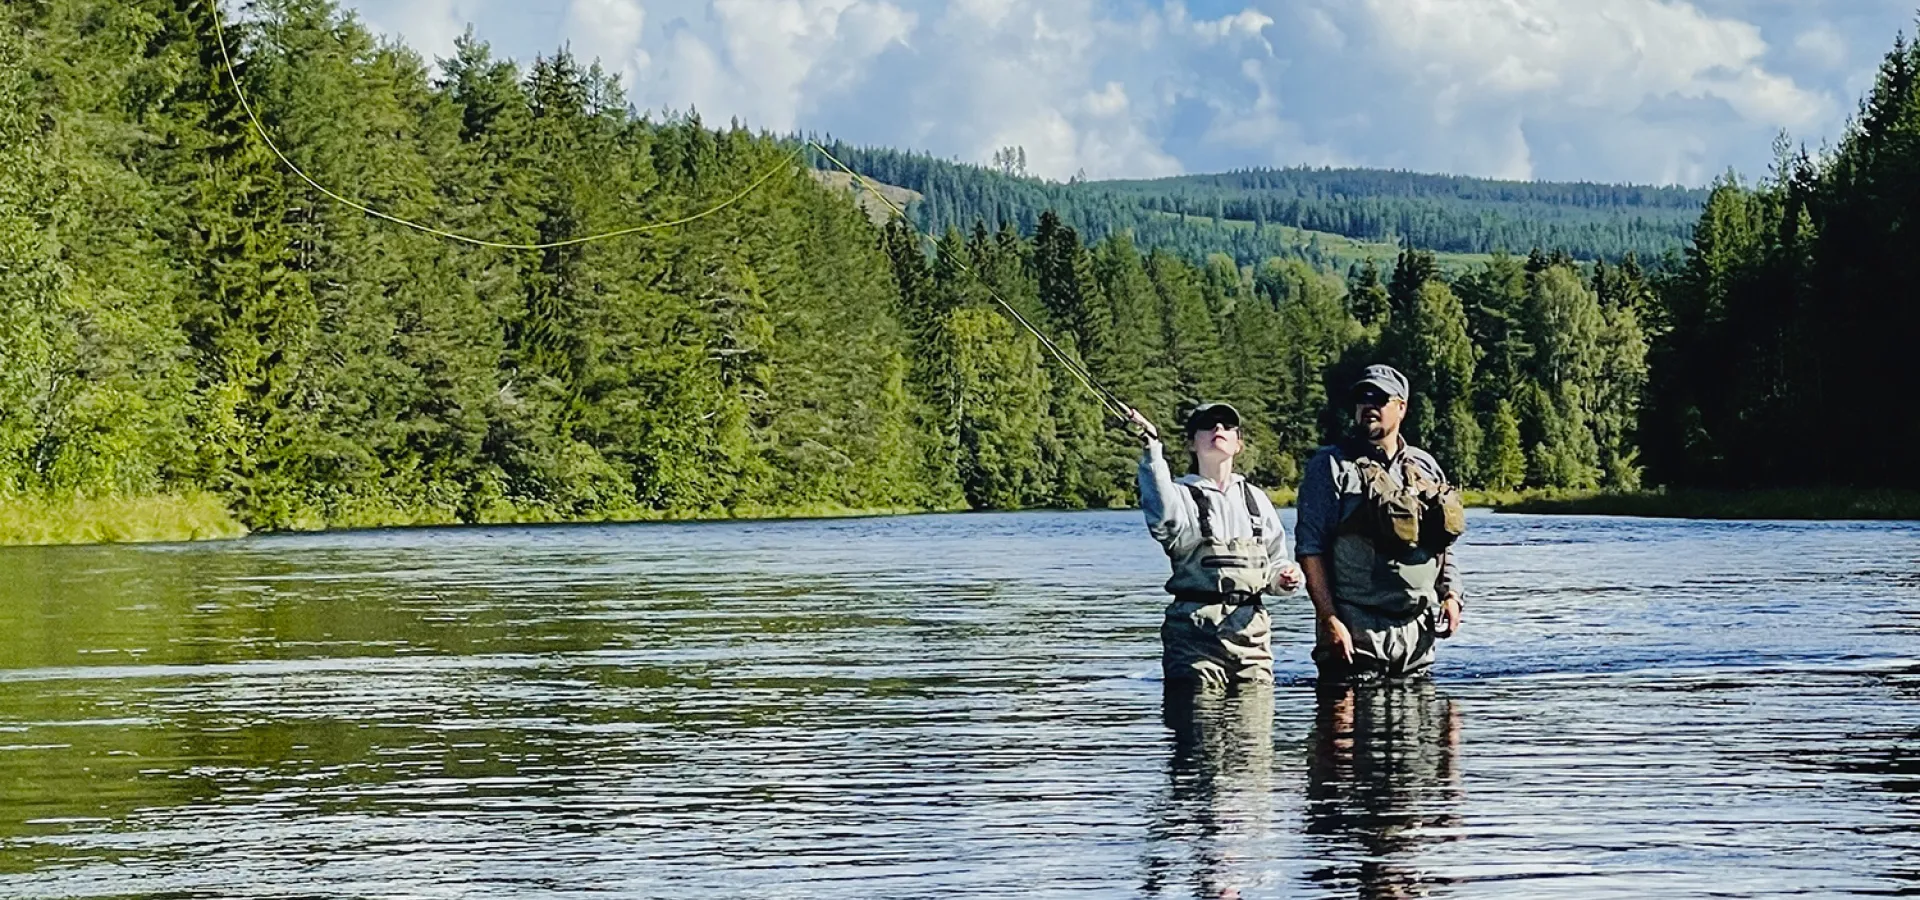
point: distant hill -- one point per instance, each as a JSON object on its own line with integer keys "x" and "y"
{"x": 1331, "y": 217}
{"x": 876, "y": 208}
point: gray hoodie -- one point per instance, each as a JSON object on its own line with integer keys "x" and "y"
{"x": 1174, "y": 521}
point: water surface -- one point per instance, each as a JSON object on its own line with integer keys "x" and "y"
{"x": 945, "y": 706}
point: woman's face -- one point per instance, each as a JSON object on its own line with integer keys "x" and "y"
{"x": 1221, "y": 440}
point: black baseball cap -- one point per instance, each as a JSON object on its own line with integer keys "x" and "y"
{"x": 1207, "y": 415}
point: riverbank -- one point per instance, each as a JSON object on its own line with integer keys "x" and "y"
{"x": 116, "y": 520}
{"x": 202, "y": 517}
{"x": 1797, "y": 503}
{"x": 198, "y": 517}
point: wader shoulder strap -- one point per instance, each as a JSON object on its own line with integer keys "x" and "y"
{"x": 1206, "y": 514}
{"x": 1206, "y": 510}
{"x": 1253, "y": 509}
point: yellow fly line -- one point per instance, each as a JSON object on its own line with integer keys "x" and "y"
{"x": 1107, "y": 397}
{"x": 259, "y": 128}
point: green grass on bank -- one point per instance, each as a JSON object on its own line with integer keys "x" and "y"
{"x": 196, "y": 517}
{"x": 113, "y": 520}
{"x": 1796, "y": 503}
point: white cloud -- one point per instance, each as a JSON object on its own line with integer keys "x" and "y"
{"x": 771, "y": 63}
{"x": 1649, "y": 90}
{"x": 1521, "y": 88}
{"x": 1245, "y": 23}
{"x": 1555, "y": 62}
{"x": 1823, "y": 46}
{"x": 429, "y": 26}
{"x": 609, "y": 30}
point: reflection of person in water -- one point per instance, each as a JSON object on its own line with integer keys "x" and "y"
{"x": 1220, "y": 801}
{"x": 1385, "y": 772}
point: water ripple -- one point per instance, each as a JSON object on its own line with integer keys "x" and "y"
{"x": 945, "y": 706}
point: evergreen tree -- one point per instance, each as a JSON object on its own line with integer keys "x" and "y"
{"x": 1565, "y": 325}
{"x": 248, "y": 313}
{"x": 1191, "y": 337}
{"x": 1495, "y": 298}
{"x": 1002, "y": 399}
{"x": 1134, "y": 365}
{"x": 1504, "y": 466}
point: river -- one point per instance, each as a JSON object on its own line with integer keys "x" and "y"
{"x": 945, "y": 706}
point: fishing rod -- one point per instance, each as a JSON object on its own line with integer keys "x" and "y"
{"x": 1108, "y": 399}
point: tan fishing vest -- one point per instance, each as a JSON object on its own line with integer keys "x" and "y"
{"x": 1397, "y": 522}
{"x": 1232, "y": 566}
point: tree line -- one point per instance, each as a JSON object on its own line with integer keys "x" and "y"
{"x": 180, "y": 312}
{"x": 1782, "y": 351}
{"x": 1195, "y": 215}
{"x": 1527, "y": 371}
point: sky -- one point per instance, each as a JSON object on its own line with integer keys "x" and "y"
{"x": 1644, "y": 91}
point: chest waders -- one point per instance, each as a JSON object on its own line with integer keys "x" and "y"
{"x": 1236, "y": 569}
{"x": 1216, "y": 630}
{"x": 1386, "y": 561}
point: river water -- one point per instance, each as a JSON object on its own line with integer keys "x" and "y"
{"x": 945, "y": 706}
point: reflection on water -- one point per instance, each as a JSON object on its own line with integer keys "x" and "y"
{"x": 1380, "y": 780}
{"x": 1383, "y": 785}
{"x": 1217, "y": 815}
{"x": 945, "y": 707}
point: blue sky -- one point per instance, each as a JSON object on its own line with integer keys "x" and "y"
{"x": 1661, "y": 91}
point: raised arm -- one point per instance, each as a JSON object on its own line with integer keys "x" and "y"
{"x": 1169, "y": 512}
{"x": 1171, "y": 517}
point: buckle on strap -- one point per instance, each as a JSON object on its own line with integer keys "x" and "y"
{"x": 1229, "y": 598}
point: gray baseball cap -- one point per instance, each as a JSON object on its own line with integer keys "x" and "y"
{"x": 1386, "y": 378}
{"x": 1207, "y": 415}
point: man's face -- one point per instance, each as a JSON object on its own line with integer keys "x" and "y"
{"x": 1377, "y": 413}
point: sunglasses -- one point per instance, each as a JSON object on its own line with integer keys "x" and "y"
{"x": 1371, "y": 398}
{"x": 1212, "y": 425}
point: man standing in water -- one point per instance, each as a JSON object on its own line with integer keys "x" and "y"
{"x": 1376, "y": 524}
{"x": 1227, "y": 548}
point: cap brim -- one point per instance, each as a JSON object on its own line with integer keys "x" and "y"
{"x": 1381, "y": 385}
{"x": 1216, "y": 416}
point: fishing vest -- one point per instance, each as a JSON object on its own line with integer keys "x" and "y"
{"x": 1237, "y": 566}
{"x": 1397, "y": 518}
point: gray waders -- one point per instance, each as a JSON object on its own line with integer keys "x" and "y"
{"x": 1386, "y": 647}
{"x": 1385, "y": 583}
{"x": 1217, "y": 632}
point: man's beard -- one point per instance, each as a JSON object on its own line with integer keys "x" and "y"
{"x": 1376, "y": 430}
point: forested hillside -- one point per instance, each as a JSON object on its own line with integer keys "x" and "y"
{"x": 182, "y": 313}
{"x": 179, "y": 313}
{"x": 1234, "y": 213}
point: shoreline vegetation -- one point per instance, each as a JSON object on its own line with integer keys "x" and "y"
{"x": 33, "y": 521}
{"x": 26, "y": 521}
{"x": 1832, "y": 504}
{"x": 186, "y": 320}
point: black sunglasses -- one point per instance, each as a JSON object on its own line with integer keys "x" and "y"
{"x": 1371, "y": 398}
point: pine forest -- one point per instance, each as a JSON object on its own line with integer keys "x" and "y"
{"x": 182, "y": 314}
